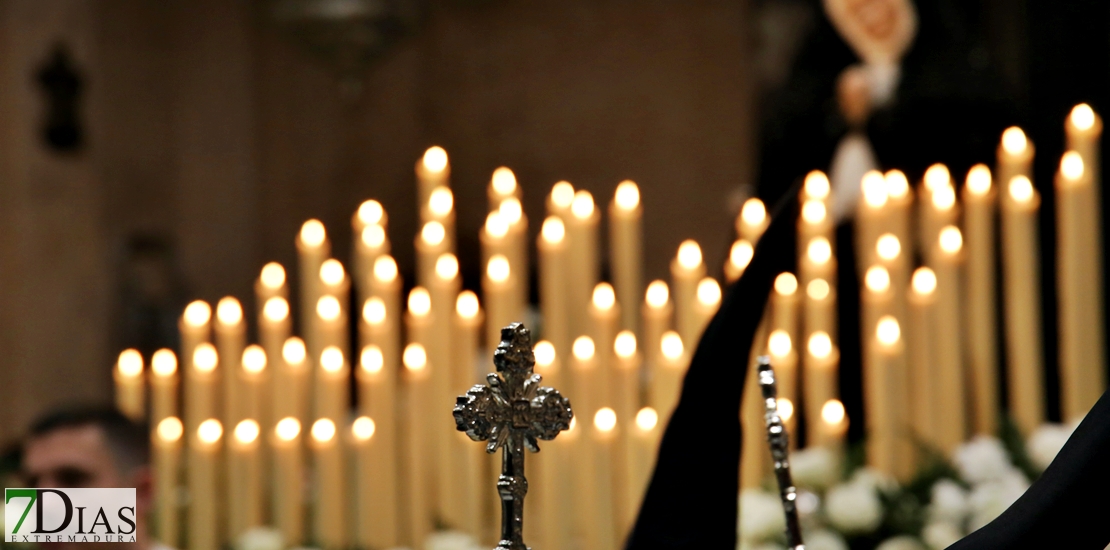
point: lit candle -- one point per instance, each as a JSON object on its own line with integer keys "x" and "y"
{"x": 821, "y": 363}
{"x": 876, "y": 300}
{"x": 244, "y": 479}
{"x": 293, "y": 381}
{"x": 420, "y": 484}
{"x": 502, "y": 185}
{"x": 752, "y": 221}
{"x": 330, "y": 511}
{"x": 604, "y": 318}
{"x": 784, "y": 360}
{"x": 331, "y": 385}
{"x": 1021, "y": 285}
{"x": 820, "y": 308}
{"x": 275, "y": 325}
{"x": 583, "y": 372}
{"x": 626, "y": 254}
{"x": 494, "y": 236}
{"x": 937, "y": 208}
{"x": 368, "y": 229}
{"x": 900, "y": 205}
{"x": 384, "y": 326}
{"x": 163, "y": 385}
{"x": 253, "y": 384}
{"x": 432, "y": 170}
{"x": 784, "y": 305}
{"x": 754, "y": 452}
{"x": 201, "y": 388}
{"x": 816, "y": 186}
{"x": 739, "y": 256}
{"x": 872, "y": 216}
{"x": 922, "y": 313}
{"x": 814, "y": 226}
{"x": 818, "y": 262}
{"x": 331, "y": 308}
{"x": 1015, "y": 155}
{"x": 640, "y": 457}
{"x": 560, "y": 200}
{"x": 195, "y": 329}
{"x": 979, "y": 294}
{"x": 949, "y": 369}
{"x": 887, "y": 443}
{"x": 288, "y": 483}
{"x": 128, "y": 375}
{"x": 516, "y": 249}
{"x": 601, "y": 530}
{"x": 553, "y": 495}
{"x": 441, "y": 352}
{"x": 312, "y": 249}
{"x": 657, "y": 312}
{"x": 274, "y": 329}
{"x": 472, "y": 462}
{"x": 271, "y": 283}
{"x": 625, "y": 397}
{"x": 496, "y": 288}
{"x": 1084, "y": 132}
{"x": 431, "y": 243}
{"x": 372, "y": 530}
{"x": 551, "y": 248}
{"x": 203, "y": 479}
{"x": 377, "y": 448}
{"x": 231, "y": 338}
{"x": 167, "y": 468}
{"x": 666, "y": 382}
{"x": 834, "y": 422}
{"x": 1078, "y": 286}
{"x": 687, "y": 269}
{"x": 441, "y": 208}
{"x": 583, "y": 269}
{"x": 709, "y": 299}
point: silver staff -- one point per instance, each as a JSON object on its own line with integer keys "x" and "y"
{"x": 780, "y": 452}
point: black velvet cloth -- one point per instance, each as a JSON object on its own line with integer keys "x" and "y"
{"x": 692, "y": 499}
{"x": 1066, "y": 507}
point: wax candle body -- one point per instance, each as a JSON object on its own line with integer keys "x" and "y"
{"x": 166, "y": 445}
{"x": 921, "y": 347}
{"x": 441, "y": 352}
{"x": 981, "y": 305}
{"x": 231, "y": 338}
{"x": 657, "y": 312}
{"x": 312, "y": 249}
{"x": 288, "y": 486}
{"x": 687, "y": 270}
{"x": 202, "y": 386}
{"x": 583, "y": 269}
{"x": 330, "y": 511}
{"x": 420, "y": 474}
{"x": 601, "y": 527}
{"x": 821, "y": 364}
{"x": 203, "y": 478}
{"x": 626, "y": 251}
{"x": 950, "y": 375}
{"x": 551, "y": 247}
{"x": 130, "y": 387}
{"x": 244, "y": 479}
{"x": 625, "y": 399}
{"x": 666, "y": 382}
{"x": 163, "y": 386}
{"x": 369, "y": 240}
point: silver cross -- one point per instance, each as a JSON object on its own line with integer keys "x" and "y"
{"x": 780, "y": 450}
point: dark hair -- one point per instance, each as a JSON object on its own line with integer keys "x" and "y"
{"x": 127, "y": 440}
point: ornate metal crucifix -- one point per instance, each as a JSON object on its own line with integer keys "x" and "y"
{"x": 512, "y": 412}
{"x": 780, "y": 450}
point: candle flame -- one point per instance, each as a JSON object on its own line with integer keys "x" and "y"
{"x": 897, "y": 186}
{"x": 328, "y": 308}
{"x": 1082, "y": 117}
{"x": 433, "y": 233}
{"x": 363, "y": 428}
{"x": 786, "y": 408}
{"x": 1071, "y": 166}
{"x": 624, "y": 345}
{"x": 887, "y": 331}
{"x": 275, "y": 309}
{"x": 163, "y": 363}
{"x": 583, "y": 205}
{"x": 466, "y": 305}
{"x": 371, "y": 359}
{"x": 877, "y": 279}
{"x": 210, "y": 431}
{"x": 441, "y": 201}
{"x": 647, "y": 419}
{"x": 786, "y": 284}
{"x": 814, "y": 212}
{"x": 709, "y": 292}
{"x": 832, "y": 412}
{"x": 498, "y": 268}
{"x": 420, "y": 301}
{"x": 511, "y": 211}
{"x": 272, "y": 276}
{"x": 313, "y": 233}
{"x": 657, "y": 294}
{"x": 944, "y": 197}
{"x": 1014, "y": 141}
{"x": 605, "y": 420}
{"x": 689, "y": 254}
{"x": 496, "y": 225}
{"x": 740, "y": 255}
{"x": 228, "y": 311}
{"x": 414, "y": 357}
{"x": 888, "y": 247}
{"x": 924, "y": 281}
{"x": 385, "y": 269}
{"x": 323, "y": 430}
{"x": 370, "y": 212}
{"x": 627, "y": 196}
{"x": 583, "y": 348}
{"x": 287, "y": 429}
{"x": 197, "y": 313}
{"x": 447, "y": 267}
{"x": 604, "y": 298}
{"x": 553, "y": 230}
{"x": 254, "y": 359}
{"x": 293, "y": 351}
{"x": 820, "y": 344}
{"x": 562, "y": 194}
{"x": 779, "y": 343}
{"x": 937, "y": 176}
{"x": 951, "y": 240}
{"x": 130, "y": 363}
{"x": 331, "y": 359}
{"x": 819, "y": 250}
{"x": 373, "y": 311}
{"x": 332, "y": 272}
{"x": 544, "y": 352}
{"x": 873, "y": 186}
{"x": 753, "y": 213}
{"x": 817, "y": 185}
{"x": 435, "y": 159}
{"x": 503, "y": 182}
{"x": 373, "y": 236}
{"x": 170, "y": 429}
{"x": 671, "y": 345}
{"x": 979, "y": 180}
{"x": 1021, "y": 189}
{"x": 818, "y": 289}
{"x": 205, "y": 358}
{"x": 246, "y": 432}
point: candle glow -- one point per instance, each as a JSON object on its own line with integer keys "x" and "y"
{"x": 293, "y": 351}
{"x": 331, "y": 272}
{"x": 605, "y": 420}
{"x": 583, "y": 348}
{"x": 331, "y": 359}
{"x": 647, "y": 419}
{"x": 228, "y": 311}
{"x": 130, "y": 363}
{"x": 371, "y": 359}
{"x": 363, "y": 428}
{"x": 873, "y": 185}
{"x": 544, "y": 352}
{"x": 373, "y": 236}
{"x": 820, "y": 344}
{"x": 498, "y": 268}
{"x": 441, "y": 201}
{"x": 818, "y": 289}
{"x": 604, "y": 298}
{"x": 1021, "y": 189}
{"x": 709, "y": 291}
{"x": 951, "y": 240}
{"x": 671, "y": 345}
{"x": 753, "y": 212}
{"x": 937, "y": 176}
{"x": 562, "y": 194}
{"x": 197, "y": 313}
{"x": 511, "y": 211}
{"x": 246, "y": 431}
{"x": 979, "y": 180}
{"x": 313, "y": 233}
{"x": 323, "y": 430}
{"x": 414, "y": 357}
{"x": 627, "y": 195}
{"x": 786, "y": 408}
{"x": 373, "y": 311}
{"x": 496, "y": 225}
{"x": 944, "y": 197}
{"x": 779, "y": 343}
{"x": 370, "y": 212}
{"x": 887, "y": 331}
{"x": 583, "y": 205}
{"x": 447, "y": 267}
{"x": 287, "y": 429}
{"x": 503, "y": 181}
{"x": 275, "y": 309}
{"x": 553, "y": 230}
{"x": 689, "y": 254}
{"x": 877, "y": 279}
{"x": 657, "y": 294}
{"x": 819, "y": 250}
{"x": 1014, "y": 141}
{"x": 272, "y": 276}
{"x": 813, "y": 212}
{"x": 924, "y": 281}
{"x": 1082, "y": 117}
{"x": 1071, "y": 166}
{"x": 327, "y": 307}
{"x": 433, "y": 233}
{"x": 466, "y": 305}
{"x": 210, "y": 431}
{"x": 817, "y": 185}
{"x": 888, "y": 247}
{"x": 435, "y": 159}
{"x": 832, "y": 412}
{"x": 740, "y": 255}
{"x": 205, "y": 357}
{"x": 420, "y": 301}
{"x": 254, "y": 359}
{"x": 624, "y": 345}
{"x": 385, "y": 269}
{"x": 163, "y": 363}
{"x": 897, "y": 185}
{"x": 170, "y": 429}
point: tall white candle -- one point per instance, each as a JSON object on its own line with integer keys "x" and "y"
{"x": 203, "y": 478}
{"x": 666, "y": 382}
{"x": 130, "y": 386}
{"x": 551, "y": 248}
{"x": 368, "y": 528}
{"x": 195, "y": 329}
{"x": 288, "y": 481}
{"x": 872, "y": 217}
{"x": 601, "y": 532}
{"x": 253, "y": 385}
{"x": 369, "y": 241}
{"x": 163, "y": 386}
{"x": 293, "y": 399}
{"x": 821, "y": 364}
{"x": 626, "y": 251}
{"x": 1015, "y": 155}
{"x": 231, "y": 338}
{"x": 330, "y": 529}
{"x": 202, "y": 385}
{"x": 753, "y": 220}
{"x": 331, "y": 308}
{"x": 312, "y": 249}
{"x": 583, "y": 269}
{"x": 708, "y": 300}
{"x": 657, "y": 312}
{"x": 377, "y": 459}
{"x": 432, "y": 170}
{"x": 245, "y": 493}
{"x": 739, "y": 256}
{"x": 167, "y": 471}
{"x": 420, "y": 485}
{"x": 331, "y": 399}
{"x": 949, "y": 371}
{"x": 604, "y": 318}
{"x": 1022, "y": 291}
{"x": 441, "y": 352}
{"x": 502, "y": 185}
{"x": 625, "y": 399}
{"x": 516, "y": 249}
{"x": 687, "y": 269}
{"x": 921, "y": 351}
{"x": 496, "y": 289}
{"x": 981, "y": 306}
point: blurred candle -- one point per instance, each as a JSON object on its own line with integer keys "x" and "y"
{"x": 784, "y": 360}
{"x": 329, "y": 513}
{"x": 288, "y": 484}
{"x": 834, "y": 422}
{"x": 384, "y": 326}
{"x": 166, "y": 446}
{"x": 821, "y": 364}
{"x": 369, "y": 241}
{"x": 254, "y": 390}
{"x": 784, "y": 305}
{"x": 820, "y": 308}
{"x": 640, "y": 457}
{"x": 203, "y": 477}
{"x": 625, "y": 399}
{"x": 816, "y": 186}
{"x": 494, "y": 236}
{"x": 666, "y": 382}
{"x": 244, "y": 479}
{"x": 432, "y": 170}
{"x": 709, "y": 299}
{"x": 604, "y": 318}
{"x": 292, "y": 384}
{"x": 687, "y": 269}
{"x": 195, "y": 328}
{"x": 886, "y": 421}
{"x": 814, "y": 226}
{"x": 818, "y": 262}
{"x": 949, "y": 369}
{"x": 130, "y": 386}
{"x": 163, "y": 385}
{"x": 1021, "y": 285}
{"x": 312, "y": 249}
{"x": 626, "y": 251}
{"x": 431, "y": 243}
{"x": 441, "y": 208}
{"x": 420, "y": 484}
{"x": 516, "y": 250}
{"x": 739, "y": 256}
{"x": 551, "y": 248}
{"x": 441, "y": 352}
{"x": 583, "y": 269}
{"x": 937, "y": 208}
{"x": 560, "y": 200}
{"x": 900, "y": 206}
{"x": 496, "y": 288}
{"x": 471, "y": 460}
{"x": 332, "y": 401}
{"x": 980, "y": 306}
{"x": 371, "y": 530}
{"x": 876, "y": 299}
{"x": 752, "y": 221}
{"x": 921, "y": 352}
{"x": 201, "y": 389}
{"x": 331, "y": 308}
{"x": 271, "y": 283}
{"x": 231, "y": 338}
{"x": 872, "y": 216}
{"x": 1015, "y": 155}
{"x": 602, "y": 527}
{"x": 377, "y": 383}
{"x": 502, "y": 185}
{"x": 274, "y": 329}
{"x": 657, "y": 312}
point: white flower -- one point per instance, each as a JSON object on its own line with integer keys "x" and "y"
{"x": 1045, "y": 442}
{"x": 873, "y": 478}
{"x": 260, "y": 538}
{"x": 824, "y": 539}
{"x": 761, "y": 516}
{"x": 815, "y": 468}
{"x": 989, "y": 499}
{"x": 450, "y": 540}
{"x": 939, "y": 535}
{"x": 901, "y": 542}
{"x": 854, "y": 507}
{"x": 982, "y": 459}
{"x": 948, "y": 502}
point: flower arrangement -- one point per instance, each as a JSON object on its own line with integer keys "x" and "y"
{"x": 844, "y": 505}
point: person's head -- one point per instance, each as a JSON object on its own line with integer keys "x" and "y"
{"x": 88, "y": 447}
{"x": 879, "y": 31}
